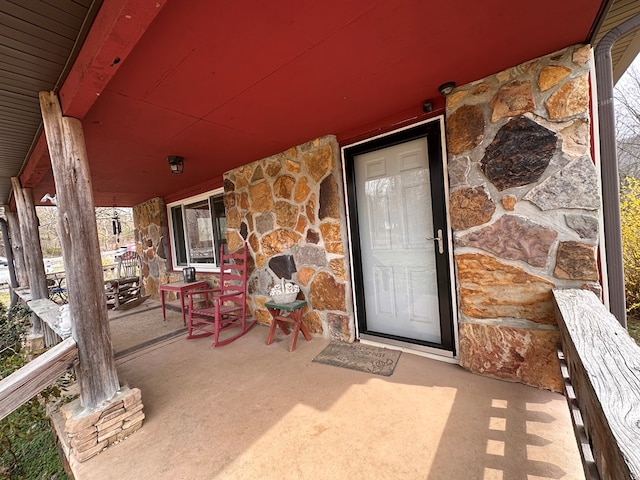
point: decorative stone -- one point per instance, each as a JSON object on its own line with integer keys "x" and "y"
{"x": 278, "y": 241}
{"x": 258, "y": 174}
{"x": 329, "y": 199}
{"x": 260, "y": 283}
{"x": 262, "y": 316}
{"x": 260, "y": 197}
{"x": 283, "y": 186}
{"x": 326, "y": 293}
{"x": 524, "y": 355}
{"x": 330, "y": 232}
{"x": 301, "y": 224}
{"x": 458, "y": 169}
{"x": 305, "y": 274}
{"x": 519, "y": 153}
{"x": 514, "y": 98}
{"x": 283, "y": 266}
{"x": 576, "y": 139}
{"x": 228, "y": 185}
{"x": 570, "y": 99}
{"x": 337, "y": 267}
{"x": 302, "y": 190}
{"x": 338, "y": 327}
{"x": 310, "y": 208}
{"x": 272, "y": 167}
{"x": 313, "y": 322}
{"x": 575, "y": 186}
{"x": 244, "y": 201}
{"x": 581, "y": 55}
{"x": 514, "y": 238}
{"x": 492, "y": 289}
{"x": 509, "y": 202}
{"x": 470, "y": 207}
{"x": 254, "y": 243}
{"x": 234, "y": 240}
{"x": 229, "y": 200}
{"x": 264, "y": 223}
{"x": 465, "y": 129}
{"x": 481, "y": 89}
{"x": 551, "y": 76}
{"x": 310, "y": 255}
{"x": 576, "y": 261}
{"x": 292, "y": 166}
{"x": 584, "y": 225}
{"x": 244, "y": 230}
{"x": 319, "y": 163}
{"x": 456, "y": 97}
{"x": 313, "y": 236}
{"x": 286, "y": 214}
{"x": 233, "y": 218}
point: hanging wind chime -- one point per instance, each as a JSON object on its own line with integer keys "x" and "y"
{"x": 116, "y": 225}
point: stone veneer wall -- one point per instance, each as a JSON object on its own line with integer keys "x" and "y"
{"x": 524, "y": 208}
{"x": 290, "y": 209}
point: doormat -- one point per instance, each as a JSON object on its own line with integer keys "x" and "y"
{"x": 356, "y": 356}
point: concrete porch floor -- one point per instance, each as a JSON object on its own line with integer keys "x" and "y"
{"x": 252, "y": 411}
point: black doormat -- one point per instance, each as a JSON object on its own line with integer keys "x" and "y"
{"x": 356, "y": 356}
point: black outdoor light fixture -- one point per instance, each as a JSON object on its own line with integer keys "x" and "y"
{"x": 176, "y": 163}
{"x": 446, "y": 88}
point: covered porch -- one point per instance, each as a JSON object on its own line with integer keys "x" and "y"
{"x": 248, "y": 410}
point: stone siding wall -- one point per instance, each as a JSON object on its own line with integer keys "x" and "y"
{"x": 289, "y": 208}
{"x": 524, "y": 205}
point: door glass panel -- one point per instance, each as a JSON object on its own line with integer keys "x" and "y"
{"x": 398, "y": 254}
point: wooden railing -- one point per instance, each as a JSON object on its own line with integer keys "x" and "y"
{"x": 35, "y": 376}
{"x": 600, "y": 363}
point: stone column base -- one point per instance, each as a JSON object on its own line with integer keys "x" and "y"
{"x": 83, "y": 433}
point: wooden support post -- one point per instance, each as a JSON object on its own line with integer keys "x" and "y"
{"x": 17, "y": 248}
{"x": 31, "y": 243}
{"x": 81, "y": 252}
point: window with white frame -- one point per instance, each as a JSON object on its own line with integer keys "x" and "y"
{"x": 198, "y": 226}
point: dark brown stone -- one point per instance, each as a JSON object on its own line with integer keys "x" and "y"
{"x": 329, "y": 199}
{"x": 326, "y": 293}
{"x": 283, "y": 266}
{"x": 470, "y": 207}
{"x": 229, "y": 185}
{"x": 313, "y": 236}
{"x": 465, "y": 128}
{"x": 519, "y": 154}
{"x": 576, "y": 261}
{"x": 514, "y": 238}
{"x": 258, "y": 174}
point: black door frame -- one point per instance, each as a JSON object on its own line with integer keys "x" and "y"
{"x": 432, "y": 133}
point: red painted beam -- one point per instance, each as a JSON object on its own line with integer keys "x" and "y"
{"x": 116, "y": 30}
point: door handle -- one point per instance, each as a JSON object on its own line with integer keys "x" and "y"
{"x": 440, "y": 241}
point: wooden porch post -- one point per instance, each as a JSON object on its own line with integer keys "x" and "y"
{"x": 31, "y": 241}
{"x": 17, "y": 248}
{"x": 81, "y": 252}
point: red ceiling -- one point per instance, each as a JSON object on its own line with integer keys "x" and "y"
{"x": 225, "y": 83}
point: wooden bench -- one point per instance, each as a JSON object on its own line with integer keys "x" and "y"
{"x": 600, "y": 364}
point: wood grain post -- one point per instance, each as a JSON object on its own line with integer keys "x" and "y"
{"x": 81, "y": 252}
{"x": 31, "y": 243}
{"x": 17, "y": 248}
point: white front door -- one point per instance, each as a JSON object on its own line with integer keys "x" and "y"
{"x": 402, "y": 255}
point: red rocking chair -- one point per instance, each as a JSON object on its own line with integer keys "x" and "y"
{"x": 222, "y": 308}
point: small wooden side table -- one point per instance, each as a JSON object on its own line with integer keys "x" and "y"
{"x": 180, "y": 288}
{"x": 280, "y": 319}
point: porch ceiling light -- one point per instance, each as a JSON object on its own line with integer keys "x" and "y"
{"x": 446, "y": 88}
{"x": 176, "y": 164}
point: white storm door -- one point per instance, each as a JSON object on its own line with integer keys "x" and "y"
{"x": 397, "y": 246}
